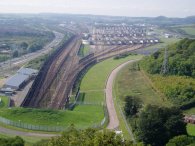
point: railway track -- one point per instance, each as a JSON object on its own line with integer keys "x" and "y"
{"x": 39, "y": 94}
{"x": 53, "y": 85}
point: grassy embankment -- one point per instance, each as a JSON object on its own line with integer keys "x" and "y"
{"x": 84, "y": 50}
{"x": 93, "y": 84}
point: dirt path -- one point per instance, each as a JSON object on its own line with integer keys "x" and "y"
{"x": 22, "y": 133}
{"x": 113, "y": 119}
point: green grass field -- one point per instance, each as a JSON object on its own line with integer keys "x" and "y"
{"x": 81, "y": 116}
{"x": 93, "y": 97}
{"x": 190, "y": 111}
{"x": 93, "y": 83}
{"x": 4, "y": 102}
{"x": 135, "y": 83}
{"x": 96, "y": 77}
{"x": 189, "y": 30}
{"x": 191, "y": 129}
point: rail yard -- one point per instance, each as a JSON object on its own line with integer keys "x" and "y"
{"x": 53, "y": 85}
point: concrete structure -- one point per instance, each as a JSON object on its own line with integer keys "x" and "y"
{"x": 190, "y": 119}
{"x": 27, "y": 71}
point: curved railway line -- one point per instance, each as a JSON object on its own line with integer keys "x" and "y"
{"x": 53, "y": 84}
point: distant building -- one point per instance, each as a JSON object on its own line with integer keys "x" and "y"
{"x": 17, "y": 81}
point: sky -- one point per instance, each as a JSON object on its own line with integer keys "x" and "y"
{"x": 132, "y": 8}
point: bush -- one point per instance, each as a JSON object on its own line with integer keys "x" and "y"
{"x": 132, "y": 106}
{"x": 157, "y": 125}
{"x": 17, "y": 141}
{"x": 181, "y": 140}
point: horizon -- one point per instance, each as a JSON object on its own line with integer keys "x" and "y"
{"x": 99, "y": 15}
{"x": 125, "y": 8}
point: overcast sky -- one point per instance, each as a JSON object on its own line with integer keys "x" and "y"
{"x": 170, "y": 8}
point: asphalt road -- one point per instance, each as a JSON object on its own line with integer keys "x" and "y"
{"x": 113, "y": 118}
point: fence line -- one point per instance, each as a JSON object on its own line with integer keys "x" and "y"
{"x": 22, "y": 125}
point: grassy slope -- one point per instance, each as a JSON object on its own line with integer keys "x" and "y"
{"x": 96, "y": 77}
{"x": 81, "y": 116}
{"x": 93, "y": 84}
{"x": 135, "y": 83}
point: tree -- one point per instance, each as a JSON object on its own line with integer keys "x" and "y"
{"x": 17, "y": 141}
{"x": 15, "y": 54}
{"x": 132, "y": 106}
{"x": 157, "y": 125}
{"x": 87, "y": 137}
{"x": 24, "y": 45}
{"x": 181, "y": 140}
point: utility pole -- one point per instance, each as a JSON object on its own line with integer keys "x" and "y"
{"x": 164, "y": 69}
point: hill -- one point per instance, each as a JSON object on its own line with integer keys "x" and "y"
{"x": 179, "y": 83}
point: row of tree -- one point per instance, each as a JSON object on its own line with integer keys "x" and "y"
{"x": 157, "y": 126}
{"x": 16, "y": 141}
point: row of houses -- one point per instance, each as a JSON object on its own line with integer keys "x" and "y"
{"x": 124, "y": 42}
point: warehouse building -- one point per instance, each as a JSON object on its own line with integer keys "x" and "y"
{"x": 20, "y": 79}
{"x": 16, "y": 82}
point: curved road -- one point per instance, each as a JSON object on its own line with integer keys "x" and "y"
{"x": 113, "y": 119}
